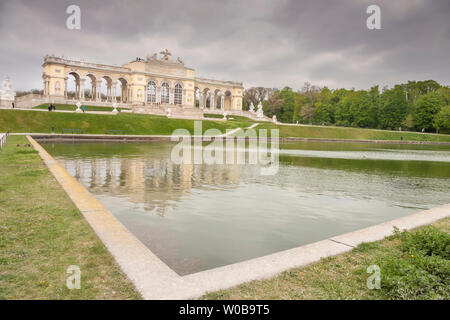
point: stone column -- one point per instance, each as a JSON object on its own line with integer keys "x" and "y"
{"x": 113, "y": 92}
{"x": 200, "y": 100}
{"x": 65, "y": 88}
{"x": 222, "y": 102}
{"x": 158, "y": 94}
{"x": 212, "y": 101}
{"x": 77, "y": 89}
{"x": 171, "y": 96}
{"x": 45, "y": 87}
{"x": 82, "y": 88}
{"x": 98, "y": 91}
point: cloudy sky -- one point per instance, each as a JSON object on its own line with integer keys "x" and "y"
{"x": 260, "y": 42}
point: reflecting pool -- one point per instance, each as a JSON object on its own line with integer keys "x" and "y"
{"x": 197, "y": 217}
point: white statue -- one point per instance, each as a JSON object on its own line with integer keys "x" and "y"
{"x": 252, "y": 108}
{"x": 259, "y": 112}
{"x": 274, "y": 119}
{"x": 78, "y": 107}
{"x": 115, "y": 108}
{"x": 168, "y": 112}
{"x": 6, "y": 93}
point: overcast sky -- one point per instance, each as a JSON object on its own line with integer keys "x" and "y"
{"x": 260, "y": 42}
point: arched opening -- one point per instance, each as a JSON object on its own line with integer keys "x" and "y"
{"x": 73, "y": 85}
{"x": 178, "y": 94}
{"x": 227, "y": 100}
{"x": 206, "y": 98}
{"x": 151, "y": 92}
{"x": 165, "y": 93}
{"x": 106, "y": 89}
{"x": 218, "y": 99}
{"x": 197, "y": 97}
{"x": 123, "y": 90}
{"x": 90, "y": 90}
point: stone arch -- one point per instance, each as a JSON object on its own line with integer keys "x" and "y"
{"x": 73, "y": 88}
{"x": 218, "y": 99}
{"x": 206, "y": 95}
{"x": 92, "y": 92}
{"x": 123, "y": 89}
{"x": 228, "y": 97}
{"x": 197, "y": 97}
{"x": 106, "y": 88}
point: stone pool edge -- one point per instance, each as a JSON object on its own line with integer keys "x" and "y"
{"x": 155, "y": 280}
{"x": 49, "y": 137}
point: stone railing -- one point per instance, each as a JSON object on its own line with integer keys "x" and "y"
{"x": 32, "y": 100}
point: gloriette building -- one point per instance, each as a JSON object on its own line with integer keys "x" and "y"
{"x": 155, "y": 82}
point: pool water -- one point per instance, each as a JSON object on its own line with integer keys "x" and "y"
{"x": 197, "y": 217}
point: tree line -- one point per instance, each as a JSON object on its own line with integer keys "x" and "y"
{"x": 415, "y": 106}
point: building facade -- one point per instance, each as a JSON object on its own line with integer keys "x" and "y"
{"x": 155, "y": 81}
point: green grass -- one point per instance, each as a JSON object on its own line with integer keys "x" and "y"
{"x": 139, "y": 124}
{"x": 351, "y": 133}
{"x": 42, "y": 233}
{"x": 229, "y": 117}
{"x": 73, "y": 107}
{"x": 413, "y": 265}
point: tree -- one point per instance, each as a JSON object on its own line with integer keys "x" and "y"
{"x": 255, "y": 95}
{"x": 442, "y": 120}
{"x": 425, "y": 109}
{"x": 393, "y": 108}
{"x": 274, "y": 104}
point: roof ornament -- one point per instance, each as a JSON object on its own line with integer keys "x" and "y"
{"x": 180, "y": 61}
{"x": 152, "y": 57}
{"x": 165, "y": 54}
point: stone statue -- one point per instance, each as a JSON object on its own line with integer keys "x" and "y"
{"x": 168, "y": 112}
{"x": 6, "y": 93}
{"x": 252, "y": 108}
{"x": 180, "y": 61}
{"x": 152, "y": 57}
{"x": 115, "y": 108}
{"x": 259, "y": 112}
{"x": 165, "y": 54}
{"x": 274, "y": 119}
{"x": 78, "y": 107}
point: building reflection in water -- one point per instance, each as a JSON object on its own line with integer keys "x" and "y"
{"x": 159, "y": 184}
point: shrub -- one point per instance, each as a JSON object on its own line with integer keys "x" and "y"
{"x": 428, "y": 241}
{"x": 423, "y": 269}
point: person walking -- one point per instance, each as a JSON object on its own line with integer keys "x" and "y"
{"x": 84, "y": 108}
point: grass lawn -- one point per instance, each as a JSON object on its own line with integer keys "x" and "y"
{"x": 42, "y": 233}
{"x": 73, "y": 107}
{"x": 229, "y": 117}
{"x": 139, "y": 124}
{"x": 413, "y": 265}
{"x": 351, "y": 133}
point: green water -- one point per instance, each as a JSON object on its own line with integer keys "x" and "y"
{"x": 197, "y": 217}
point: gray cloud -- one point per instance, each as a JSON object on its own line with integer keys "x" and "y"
{"x": 259, "y": 42}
